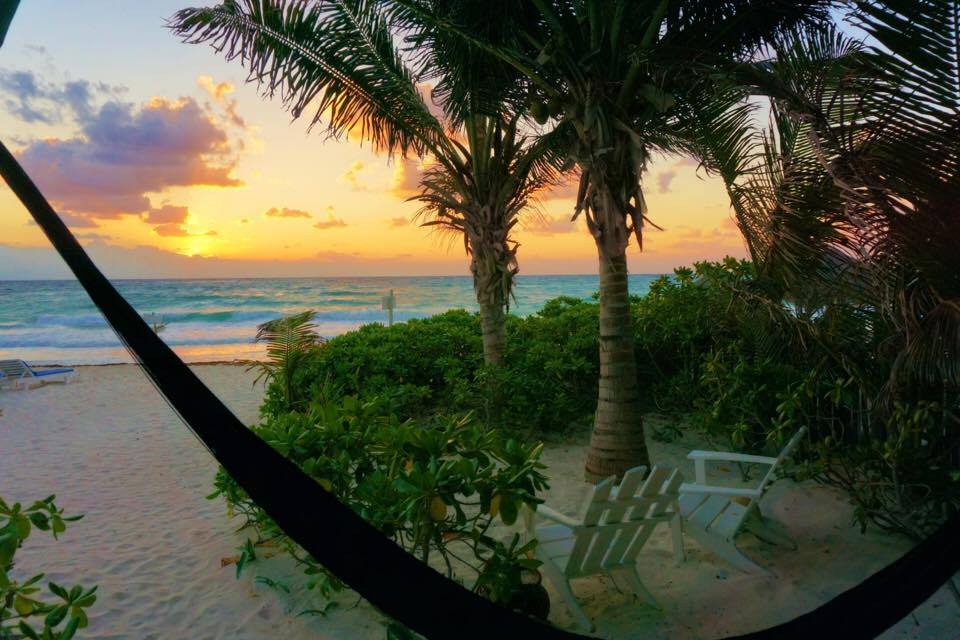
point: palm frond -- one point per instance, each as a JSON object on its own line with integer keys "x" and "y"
{"x": 871, "y": 137}
{"x": 336, "y": 57}
{"x": 290, "y": 341}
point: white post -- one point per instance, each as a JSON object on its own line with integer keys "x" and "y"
{"x": 389, "y": 302}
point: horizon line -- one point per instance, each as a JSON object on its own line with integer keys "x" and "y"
{"x": 363, "y": 277}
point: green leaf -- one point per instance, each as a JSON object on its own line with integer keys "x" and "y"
{"x": 27, "y": 631}
{"x": 56, "y": 616}
{"x": 508, "y": 510}
{"x": 22, "y": 605}
{"x": 71, "y": 629}
{"x": 81, "y": 616}
{"x": 21, "y": 525}
{"x": 58, "y": 590}
{"x": 86, "y": 601}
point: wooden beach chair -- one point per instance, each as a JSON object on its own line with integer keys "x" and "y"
{"x": 19, "y": 375}
{"x": 614, "y": 524}
{"x": 715, "y": 515}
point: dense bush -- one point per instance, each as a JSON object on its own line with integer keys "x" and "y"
{"x": 548, "y": 383}
{"x": 434, "y": 487}
{"x": 715, "y": 343}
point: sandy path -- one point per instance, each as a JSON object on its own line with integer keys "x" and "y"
{"x": 109, "y": 447}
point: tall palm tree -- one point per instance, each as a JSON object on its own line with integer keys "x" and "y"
{"x": 340, "y": 59}
{"x": 623, "y": 81}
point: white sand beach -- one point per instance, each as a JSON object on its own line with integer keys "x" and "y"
{"x": 110, "y": 448}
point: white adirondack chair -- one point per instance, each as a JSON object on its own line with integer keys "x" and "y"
{"x": 715, "y": 515}
{"x": 613, "y": 526}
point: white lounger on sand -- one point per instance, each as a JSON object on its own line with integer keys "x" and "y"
{"x": 614, "y": 525}
{"x": 19, "y": 375}
{"x": 714, "y": 516}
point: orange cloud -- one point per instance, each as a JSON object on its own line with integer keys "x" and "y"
{"x": 171, "y": 230}
{"x": 121, "y": 154}
{"x": 274, "y": 212}
{"x": 407, "y": 174}
{"x": 566, "y": 190}
{"x": 352, "y": 176}
{"x": 399, "y": 221}
{"x": 548, "y": 225}
{"x": 166, "y": 214}
{"x": 665, "y": 178}
{"x": 174, "y": 230}
{"x": 220, "y": 92}
{"x": 331, "y": 222}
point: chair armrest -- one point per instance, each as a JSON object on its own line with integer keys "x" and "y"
{"x": 546, "y": 512}
{"x": 729, "y": 492}
{"x": 726, "y": 456}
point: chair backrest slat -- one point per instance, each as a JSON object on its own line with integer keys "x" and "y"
{"x": 662, "y": 489}
{"x": 15, "y": 369}
{"x": 596, "y": 504}
{"x": 615, "y": 529}
{"x": 616, "y": 511}
{"x": 784, "y": 454}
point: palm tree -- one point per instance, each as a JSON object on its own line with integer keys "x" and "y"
{"x": 623, "y": 81}
{"x": 289, "y": 342}
{"x": 854, "y": 203}
{"x": 340, "y": 58}
{"x": 483, "y": 204}
{"x": 861, "y": 179}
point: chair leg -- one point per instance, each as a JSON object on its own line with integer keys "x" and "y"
{"x": 562, "y": 585}
{"x": 727, "y": 550}
{"x": 676, "y": 530}
{"x": 636, "y": 585}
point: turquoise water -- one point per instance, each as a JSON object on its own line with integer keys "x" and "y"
{"x": 53, "y": 321}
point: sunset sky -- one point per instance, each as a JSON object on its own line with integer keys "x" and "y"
{"x": 166, "y": 164}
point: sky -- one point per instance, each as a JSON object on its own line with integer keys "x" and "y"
{"x": 166, "y": 163}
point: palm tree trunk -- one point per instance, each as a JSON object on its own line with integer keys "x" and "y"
{"x": 494, "y": 329}
{"x": 489, "y": 259}
{"x": 617, "y": 442}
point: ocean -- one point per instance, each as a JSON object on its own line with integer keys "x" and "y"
{"x": 54, "y": 322}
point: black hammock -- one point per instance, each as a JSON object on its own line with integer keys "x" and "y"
{"x": 387, "y": 576}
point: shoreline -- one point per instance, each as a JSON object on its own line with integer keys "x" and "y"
{"x": 200, "y": 363}
{"x": 330, "y": 277}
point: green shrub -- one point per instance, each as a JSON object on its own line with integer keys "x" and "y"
{"x": 433, "y": 487}
{"x": 434, "y": 366}
{"x": 24, "y": 613}
{"x": 717, "y": 341}
{"x": 416, "y": 363}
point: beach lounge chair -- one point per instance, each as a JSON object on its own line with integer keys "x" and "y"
{"x": 19, "y": 375}
{"x": 614, "y": 524}
{"x": 714, "y": 515}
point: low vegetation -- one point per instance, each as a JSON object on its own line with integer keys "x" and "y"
{"x": 407, "y": 425}
{"x": 434, "y": 486}
{"x": 25, "y": 612}
{"x": 717, "y": 346}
